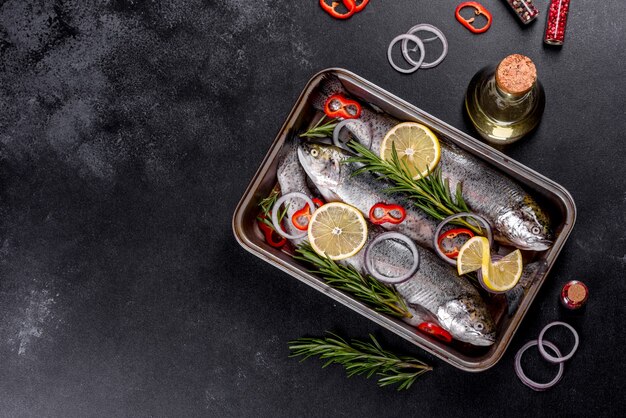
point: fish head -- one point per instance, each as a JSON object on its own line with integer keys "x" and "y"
{"x": 322, "y": 163}
{"x": 526, "y": 227}
{"x": 468, "y": 320}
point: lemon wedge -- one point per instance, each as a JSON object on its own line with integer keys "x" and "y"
{"x": 337, "y": 230}
{"x": 416, "y": 145}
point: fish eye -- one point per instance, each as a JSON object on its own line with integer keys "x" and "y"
{"x": 535, "y": 230}
{"x": 314, "y": 152}
{"x": 479, "y": 327}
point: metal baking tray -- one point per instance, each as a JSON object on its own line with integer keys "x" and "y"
{"x": 552, "y": 196}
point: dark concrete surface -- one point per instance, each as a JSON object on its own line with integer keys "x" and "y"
{"x": 130, "y": 129}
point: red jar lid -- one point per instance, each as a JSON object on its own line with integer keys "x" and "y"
{"x": 574, "y": 294}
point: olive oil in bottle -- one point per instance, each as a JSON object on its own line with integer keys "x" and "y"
{"x": 505, "y": 102}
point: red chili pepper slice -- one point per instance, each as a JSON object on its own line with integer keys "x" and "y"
{"x": 350, "y": 5}
{"x": 304, "y": 214}
{"x": 270, "y": 234}
{"x": 436, "y": 331}
{"x": 361, "y": 6}
{"x": 479, "y": 9}
{"x": 382, "y": 213}
{"x": 337, "y": 106}
{"x": 450, "y": 236}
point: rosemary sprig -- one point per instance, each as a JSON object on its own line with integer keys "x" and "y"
{"x": 430, "y": 193}
{"x": 319, "y": 130}
{"x": 362, "y": 358}
{"x": 381, "y": 298}
{"x": 266, "y": 205}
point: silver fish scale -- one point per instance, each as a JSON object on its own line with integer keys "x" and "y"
{"x": 434, "y": 284}
{"x": 292, "y": 178}
{"x": 486, "y": 191}
{"x": 364, "y": 191}
{"x": 379, "y": 124}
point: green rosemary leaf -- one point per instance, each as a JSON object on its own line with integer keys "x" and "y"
{"x": 267, "y": 204}
{"x": 320, "y": 130}
{"x": 362, "y": 358}
{"x": 378, "y": 296}
{"x": 430, "y": 193}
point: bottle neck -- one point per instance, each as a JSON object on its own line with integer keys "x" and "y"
{"x": 510, "y": 97}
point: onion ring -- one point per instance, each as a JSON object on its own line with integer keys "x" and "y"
{"x": 420, "y": 46}
{"x": 342, "y": 125}
{"x": 369, "y": 263}
{"x": 447, "y": 221}
{"x": 559, "y": 359}
{"x": 438, "y": 35}
{"x": 275, "y": 209}
{"x": 525, "y": 379}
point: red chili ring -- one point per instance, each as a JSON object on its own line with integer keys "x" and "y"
{"x": 479, "y": 9}
{"x": 451, "y": 234}
{"x": 342, "y": 111}
{"x": 305, "y": 212}
{"x": 331, "y": 8}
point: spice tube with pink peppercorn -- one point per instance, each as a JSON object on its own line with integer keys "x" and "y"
{"x": 557, "y": 19}
{"x": 524, "y": 9}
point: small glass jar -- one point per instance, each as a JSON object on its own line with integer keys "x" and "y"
{"x": 574, "y": 294}
{"x": 524, "y": 9}
{"x": 556, "y": 22}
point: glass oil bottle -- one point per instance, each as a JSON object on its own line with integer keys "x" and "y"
{"x": 505, "y": 102}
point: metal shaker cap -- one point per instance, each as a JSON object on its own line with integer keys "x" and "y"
{"x": 516, "y": 74}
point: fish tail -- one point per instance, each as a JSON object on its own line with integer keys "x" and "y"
{"x": 328, "y": 86}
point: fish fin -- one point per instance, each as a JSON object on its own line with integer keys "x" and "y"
{"x": 515, "y": 295}
{"x": 513, "y": 298}
{"x": 420, "y": 315}
{"x": 375, "y": 108}
{"x": 287, "y": 150}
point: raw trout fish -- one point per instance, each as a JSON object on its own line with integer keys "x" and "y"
{"x": 435, "y": 292}
{"x": 328, "y": 169}
{"x": 517, "y": 218}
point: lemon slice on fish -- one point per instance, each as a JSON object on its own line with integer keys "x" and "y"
{"x": 505, "y": 273}
{"x": 416, "y": 145}
{"x": 497, "y": 277}
{"x": 337, "y": 230}
{"x": 473, "y": 255}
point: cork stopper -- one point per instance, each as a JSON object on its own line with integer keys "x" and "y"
{"x": 576, "y": 293}
{"x": 516, "y": 74}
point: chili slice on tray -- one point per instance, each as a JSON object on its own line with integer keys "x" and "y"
{"x": 382, "y": 213}
{"x": 337, "y": 106}
{"x": 304, "y": 214}
{"x": 435, "y": 331}
{"x": 449, "y": 242}
{"x": 270, "y": 234}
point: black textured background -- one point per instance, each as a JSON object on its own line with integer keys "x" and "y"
{"x": 130, "y": 129}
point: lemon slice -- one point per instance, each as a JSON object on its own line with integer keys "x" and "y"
{"x": 473, "y": 255}
{"x": 416, "y": 145}
{"x": 337, "y": 230}
{"x": 504, "y": 274}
